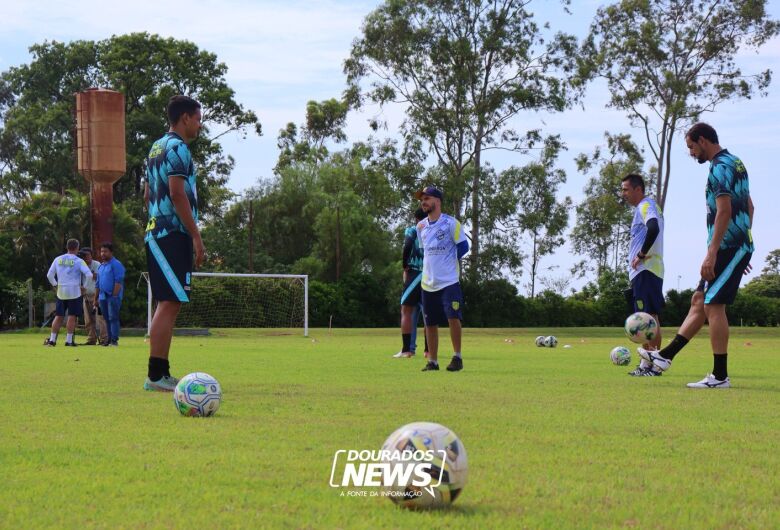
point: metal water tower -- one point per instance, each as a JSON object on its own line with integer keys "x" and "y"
{"x": 101, "y": 155}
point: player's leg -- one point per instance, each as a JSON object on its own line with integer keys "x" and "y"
{"x": 89, "y": 320}
{"x": 114, "y": 305}
{"x": 729, "y": 268}
{"x": 169, "y": 261}
{"x": 414, "y": 317}
{"x": 639, "y": 303}
{"x": 693, "y": 322}
{"x": 74, "y": 308}
{"x": 56, "y": 324}
{"x": 452, "y": 305}
{"x": 406, "y": 331}
{"x": 434, "y": 317}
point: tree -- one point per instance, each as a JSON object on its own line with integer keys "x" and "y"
{"x": 463, "y": 69}
{"x": 603, "y": 219}
{"x": 524, "y": 203}
{"x": 768, "y": 282}
{"x": 668, "y": 61}
{"x": 37, "y": 108}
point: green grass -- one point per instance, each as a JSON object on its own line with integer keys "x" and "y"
{"x": 555, "y": 438}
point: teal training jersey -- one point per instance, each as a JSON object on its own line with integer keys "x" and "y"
{"x": 168, "y": 157}
{"x": 728, "y": 176}
{"x": 416, "y": 258}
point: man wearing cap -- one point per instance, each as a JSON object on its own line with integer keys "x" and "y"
{"x": 443, "y": 242}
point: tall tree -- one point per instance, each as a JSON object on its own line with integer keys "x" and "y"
{"x": 603, "y": 218}
{"x": 463, "y": 69}
{"x": 37, "y": 111}
{"x": 668, "y": 61}
{"x": 524, "y": 204}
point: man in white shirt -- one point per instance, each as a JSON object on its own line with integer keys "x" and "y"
{"x": 67, "y": 273}
{"x": 93, "y": 322}
{"x": 443, "y": 243}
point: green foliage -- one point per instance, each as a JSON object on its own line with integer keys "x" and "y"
{"x": 668, "y": 61}
{"x": 462, "y": 70}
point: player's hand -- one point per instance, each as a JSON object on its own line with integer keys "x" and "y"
{"x": 635, "y": 262}
{"x": 748, "y": 269}
{"x": 406, "y": 276}
{"x": 708, "y": 267}
{"x": 200, "y": 251}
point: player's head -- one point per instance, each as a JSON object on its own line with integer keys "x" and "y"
{"x": 632, "y": 188}
{"x": 184, "y": 117}
{"x": 430, "y": 199}
{"x": 702, "y": 142}
{"x": 419, "y": 214}
{"x": 86, "y": 254}
{"x": 106, "y": 251}
{"x": 72, "y": 245}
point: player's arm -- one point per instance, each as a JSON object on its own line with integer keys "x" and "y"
{"x": 408, "y": 248}
{"x": 182, "y": 206}
{"x": 751, "y": 209}
{"x": 51, "y": 274}
{"x": 119, "y": 277}
{"x": 146, "y": 194}
{"x": 722, "y": 218}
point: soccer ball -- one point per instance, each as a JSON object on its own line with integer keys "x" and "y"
{"x": 551, "y": 342}
{"x": 540, "y": 341}
{"x": 641, "y": 327}
{"x": 448, "y": 470}
{"x": 197, "y": 394}
{"x": 620, "y": 356}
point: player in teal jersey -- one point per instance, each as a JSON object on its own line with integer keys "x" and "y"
{"x": 172, "y": 232}
{"x": 729, "y": 248}
{"x": 411, "y": 297}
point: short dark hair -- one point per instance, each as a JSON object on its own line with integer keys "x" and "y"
{"x": 700, "y": 130}
{"x": 72, "y": 244}
{"x": 109, "y": 245}
{"x": 179, "y": 105}
{"x": 419, "y": 214}
{"x": 635, "y": 181}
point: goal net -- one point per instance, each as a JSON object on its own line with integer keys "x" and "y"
{"x": 226, "y": 300}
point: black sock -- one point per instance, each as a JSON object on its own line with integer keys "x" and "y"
{"x": 407, "y": 340}
{"x": 158, "y": 368}
{"x": 426, "y": 342}
{"x": 719, "y": 366}
{"x": 677, "y": 344}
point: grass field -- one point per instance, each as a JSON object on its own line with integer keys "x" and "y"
{"x": 555, "y": 438}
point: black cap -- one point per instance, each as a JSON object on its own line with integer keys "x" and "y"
{"x": 430, "y": 191}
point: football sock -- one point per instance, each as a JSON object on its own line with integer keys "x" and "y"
{"x": 457, "y": 354}
{"x": 53, "y": 337}
{"x": 674, "y": 347}
{"x": 69, "y": 338}
{"x": 426, "y": 342}
{"x": 719, "y": 369}
{"x": 407, "y": 340}
{"x": 157, "y": 368}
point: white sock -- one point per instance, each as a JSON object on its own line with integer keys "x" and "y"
{"x": 53, "y": 337}
{"x": 69, "y": 338}
{"x": 457, "y": 354}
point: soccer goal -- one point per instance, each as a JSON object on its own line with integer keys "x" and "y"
{"x": 228, "y": 300}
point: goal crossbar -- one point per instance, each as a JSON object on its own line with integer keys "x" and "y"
{"x": 303, "y": 277}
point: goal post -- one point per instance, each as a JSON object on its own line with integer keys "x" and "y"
{"x": 234, "y": 300}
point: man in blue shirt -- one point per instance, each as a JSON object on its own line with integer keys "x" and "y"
{"x": 729, "y": 248}
{"x": 172, "y": 233}
{"x": 111, "y": 287}
{"x": 411, "y": 297}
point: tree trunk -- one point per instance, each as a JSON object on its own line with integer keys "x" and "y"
{"x": 534, "y": 264}
{"x": 475, "y": 194}
{"x": 338, "y": 243}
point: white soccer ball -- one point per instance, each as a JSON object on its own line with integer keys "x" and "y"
{"x": 540, "y": 341}
{"x": 641, "y": 328}
{"x": 620, "y": 356}
{"x": 551, "y": 341}
{"x": 447, "y": 465}
{"x": 197, "y": 394}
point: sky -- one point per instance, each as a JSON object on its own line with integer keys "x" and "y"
{"x": 281, "y": 54}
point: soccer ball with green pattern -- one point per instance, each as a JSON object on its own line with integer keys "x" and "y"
{"x": 197, "y": 394}
{"x": 641, "y": 328}
{"x": 448, "y": 468}
{"x": 620, "y": 356}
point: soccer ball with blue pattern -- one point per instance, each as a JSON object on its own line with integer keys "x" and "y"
{"x": 551, "y": 341}
{"x": 197, "y": 394}
{"x": 620, "y": 356}
{"x": 641, "y": 328}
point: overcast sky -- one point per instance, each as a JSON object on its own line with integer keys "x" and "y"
{"x": 281, "y": 54}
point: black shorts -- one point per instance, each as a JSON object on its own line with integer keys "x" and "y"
{"x": 412, "y": 295}
{"x": 730, "y": 265}
{"x": 648, "y": 292}
{"x": 439, "y": 306}
{"x": 74, "y": 307}
{"x": 169, "y": 262}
